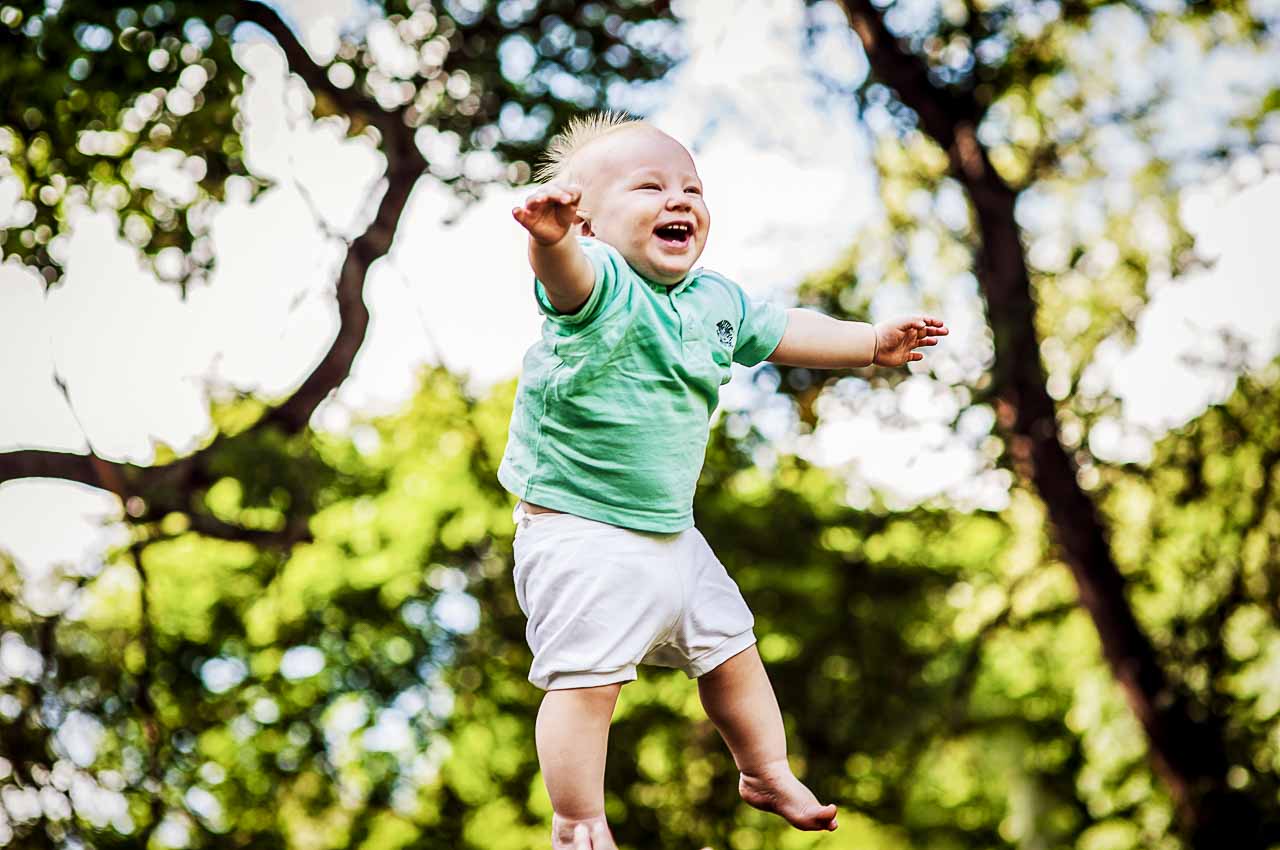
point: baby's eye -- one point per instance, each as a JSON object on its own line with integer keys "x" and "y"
{"x": 693, "y": 190}
{"x": 649, "y": 186}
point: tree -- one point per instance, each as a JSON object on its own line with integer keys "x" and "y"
{"x": 67, "y": 148}
{"x": 252, "y": 692}
{"x": 89, "y": 85}
{"x": 999, "y": 101}
{"x": 925, "y": 660}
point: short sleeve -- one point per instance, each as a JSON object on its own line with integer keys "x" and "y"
{"x": 607, "y": 264}
{"x": 763, "y": 324}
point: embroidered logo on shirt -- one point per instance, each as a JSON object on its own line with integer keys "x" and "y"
{"x": 724, "y": 331}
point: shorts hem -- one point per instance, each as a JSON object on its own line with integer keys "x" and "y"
{"x": 590, "y": 679}
{"x": 730, "y": 647}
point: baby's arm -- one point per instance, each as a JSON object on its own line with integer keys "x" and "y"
{"x": 817, "y": 341}
{"x": 550, "y": 216}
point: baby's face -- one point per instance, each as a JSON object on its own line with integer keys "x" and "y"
{"x": 642, "y": 195}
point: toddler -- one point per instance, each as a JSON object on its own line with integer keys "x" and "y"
{"x": 607, "y": 439}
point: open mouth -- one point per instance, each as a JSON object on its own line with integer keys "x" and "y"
{"x": 675, "y": 235}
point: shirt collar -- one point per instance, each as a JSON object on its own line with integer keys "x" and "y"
{"x": 674, "y": 288}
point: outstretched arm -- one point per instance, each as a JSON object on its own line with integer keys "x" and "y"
{"x": 550, "y": 216}
{"x": 817, "y": 341}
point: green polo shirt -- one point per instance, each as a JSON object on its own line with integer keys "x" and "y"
{"x": 614, "y": 403}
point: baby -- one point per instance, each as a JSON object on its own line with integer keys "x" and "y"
{"x": 607, "y": 439}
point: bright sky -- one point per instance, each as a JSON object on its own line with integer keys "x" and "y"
{"x": 788, "y": 182}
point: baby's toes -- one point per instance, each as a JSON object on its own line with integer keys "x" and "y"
{"x": 821, "y": 817}
{"x": 589, "y": 834}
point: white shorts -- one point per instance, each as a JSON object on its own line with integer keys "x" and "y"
{"x": 601, "y": 599}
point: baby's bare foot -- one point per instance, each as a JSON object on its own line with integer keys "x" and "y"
{"x": 588, "y": 834}
{"x": 776, "y": 789}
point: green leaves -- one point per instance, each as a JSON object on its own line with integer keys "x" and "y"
{"x": 936, "y": 678}
{"x": 102, "y": 85}
{"x": 107, "y": 87}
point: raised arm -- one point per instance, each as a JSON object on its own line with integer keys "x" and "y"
{"x": 817, "y": 341}
{"x": 551, "y": 217}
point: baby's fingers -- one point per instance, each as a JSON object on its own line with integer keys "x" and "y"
{"x": 540, "y": 200}
{"x": 571, "y": 194}
{"x": 925, "y": 324}
{"x": 526, "y": 216}
{"x": 552, "y": 195}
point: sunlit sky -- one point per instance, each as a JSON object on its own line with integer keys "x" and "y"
{"x": 789, "y": 183}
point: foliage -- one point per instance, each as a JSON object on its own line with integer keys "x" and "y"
{"x": 251, "y": 675}
{"x": 1198, "y": 532}
{"x": 1081, "y": 110}
{"x": 1039, "y": 143}
{"x": 108, "y": 90}
{"x": 321, "y": 647}
{"x": 269, "y": 604}
{"x": 937, "y": 678}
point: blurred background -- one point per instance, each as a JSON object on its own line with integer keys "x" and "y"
{"x": 262, "y": 309}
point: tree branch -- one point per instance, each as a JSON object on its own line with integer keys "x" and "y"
{"x": 38, "y": 463}
{"x": 296, "y": 530}
{"x": 940, "y": 110}
{"x": 316, "y": 77}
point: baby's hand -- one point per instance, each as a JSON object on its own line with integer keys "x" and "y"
{"x": 897, "y": 340}
{"x": 550, "y": 212}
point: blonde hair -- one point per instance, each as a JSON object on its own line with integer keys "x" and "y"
{"x": 581, "y": 131}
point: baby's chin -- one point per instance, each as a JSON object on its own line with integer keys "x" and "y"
{"x": 665, "y": 270}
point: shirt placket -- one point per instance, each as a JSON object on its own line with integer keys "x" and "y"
{"x": 671, "y": 299}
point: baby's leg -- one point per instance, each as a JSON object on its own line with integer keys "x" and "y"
{"x": 739, "y": 700}
{"x": 573, "y": 735}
